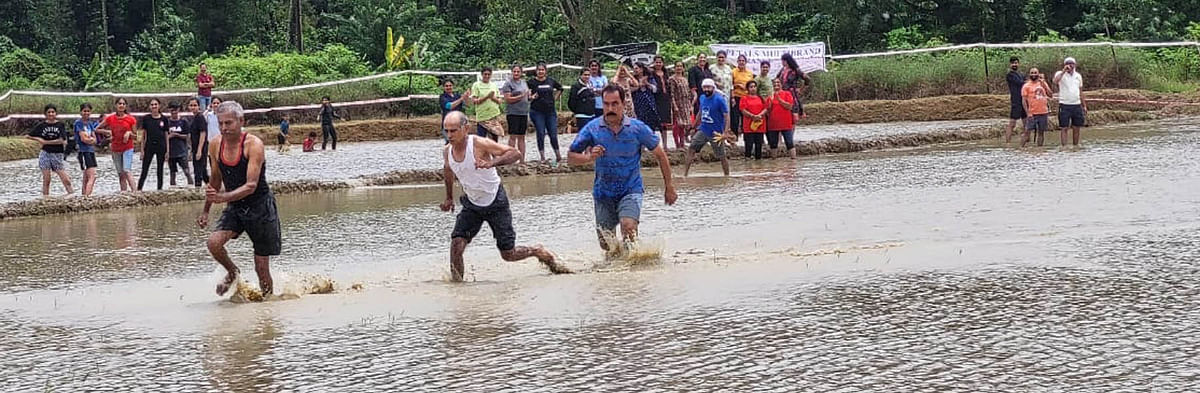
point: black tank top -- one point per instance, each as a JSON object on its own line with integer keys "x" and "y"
{"x": 234, "y": 175}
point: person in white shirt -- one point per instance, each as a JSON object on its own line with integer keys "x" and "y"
{"x": 472, "y": 160}
{"x": 1072, "y": 108}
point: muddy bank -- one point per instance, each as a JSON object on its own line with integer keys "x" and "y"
{"x": 822, "y": 146}
{"x": 17, "y": 148}
{"x": 397, "y": 129}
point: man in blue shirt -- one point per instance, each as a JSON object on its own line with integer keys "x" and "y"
{"x": 615, "y": 145}
{"x": 710, "y": 123}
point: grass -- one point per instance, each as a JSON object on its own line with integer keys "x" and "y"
{"x": 16, "y": 148}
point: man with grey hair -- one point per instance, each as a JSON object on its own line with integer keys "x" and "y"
{"x": 239, "y": 179}
{"x": 473, "y": 160}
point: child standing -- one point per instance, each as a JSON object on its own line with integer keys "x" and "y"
{"x": 283, "y": 134}
{"x": 178, "y": 141}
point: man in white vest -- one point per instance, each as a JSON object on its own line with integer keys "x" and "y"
{"x": 473, "y": 161}
{"x": 1072, "y": 108}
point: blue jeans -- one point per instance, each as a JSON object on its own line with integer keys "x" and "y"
{"x": 610, "y": 211}
{"x": 545, "y": 123}
{"x": 204, "y": 102}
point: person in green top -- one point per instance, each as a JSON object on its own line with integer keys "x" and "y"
{"x": 764, "y": 80}
{"x": 486, "y": 99}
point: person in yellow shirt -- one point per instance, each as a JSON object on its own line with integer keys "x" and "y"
{"x": 741, "y": 75}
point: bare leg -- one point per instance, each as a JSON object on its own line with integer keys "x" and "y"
{"x": 66, "y": 181}
{"x": 262, "y": 268}
{"x": 687, "y": 161}
{"x": 187, "y": 173}
{"x": 457, "y": 245}
{"x": 1062, "y": 137}
{"x": 725, "y": 165}
{"x": 1041, "y": 138}
{"x": 1024, "y": 138}
{"x": 45, "y": 182}
{"x": 216, "y": 248}
{"x": 545, "y": 257}
{"x": 89, "y": 181}
{"x": 1008, "y": 132}
{"x": 629, "y": 229}
{"x": 603, "y": 239}
{"x": 1075, "y": 136}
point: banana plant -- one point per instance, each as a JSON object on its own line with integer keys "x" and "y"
{"x": 398, "y": 56}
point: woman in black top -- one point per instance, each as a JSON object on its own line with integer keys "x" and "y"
{"x": 546, "y": 92}
{"x": 155, "y": 144}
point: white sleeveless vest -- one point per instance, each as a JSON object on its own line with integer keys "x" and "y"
{"x": 480, "y": 185}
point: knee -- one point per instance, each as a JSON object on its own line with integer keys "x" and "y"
{"x": 216, "y": 243}
{"x": 458, "y": 244}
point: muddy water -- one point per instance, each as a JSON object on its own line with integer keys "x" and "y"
{"x": 957, "y": 268}
{"x": 22, "y": 181}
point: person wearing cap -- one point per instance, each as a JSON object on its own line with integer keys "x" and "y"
{"x": 1072, "y": 108}
{"x": 711, "y": 124}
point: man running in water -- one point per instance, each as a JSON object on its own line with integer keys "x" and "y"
{"x": 473, "y": 160}
{"x": 239, "y": 178}
{"x": 615, "y": 145}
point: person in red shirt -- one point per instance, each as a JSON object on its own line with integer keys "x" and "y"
{"x": 119, "y": 127}
{"x": 204, "y": 86}
{"x": 754, "y": 120}
{"x": 309, "y": 142}
{"x": 779, "y": 119}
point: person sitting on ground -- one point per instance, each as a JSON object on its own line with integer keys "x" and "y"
{"x": 283, "y": 134}
{"x": 52, "y": 135}
{"x": 310, "y": 142}
{"x": 472, "y": 160}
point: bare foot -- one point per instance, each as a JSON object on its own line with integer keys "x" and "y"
{"x": 223, "y": 287}
{"x": 547, "y": 258}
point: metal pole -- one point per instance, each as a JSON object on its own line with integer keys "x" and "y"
{"x": 987, "y": 88}
{"x": 836, "y": 92}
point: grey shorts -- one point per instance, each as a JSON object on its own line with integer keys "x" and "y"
{"x": 50, "y": 161}
{"x": 701, "y": 138}
{"x": 1039, "y": 123}
{"x": 610, "y": 211}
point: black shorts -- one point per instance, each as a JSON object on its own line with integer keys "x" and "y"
{"x": 1070, "y": 116}
{"x": 282, "y": 139}
{"x": 518, "y": 124}
{"x": 259, "y": 220}
{"x": 87, "y": 160}
{"x": 498, "y": 216}
{"x": 1016, "y": 112}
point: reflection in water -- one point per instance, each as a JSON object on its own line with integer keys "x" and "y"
{"x": 960, "y": 268}
{"x": 236, "y": 356}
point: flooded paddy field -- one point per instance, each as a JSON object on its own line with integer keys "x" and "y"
{"x": 963, "y": 267}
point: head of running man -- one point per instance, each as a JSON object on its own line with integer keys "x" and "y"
{"x": 230, "y": 118}
{"x": 455, "y": 125}
{"x": 614, "y": 104}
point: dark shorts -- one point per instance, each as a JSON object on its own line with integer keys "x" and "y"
{"x": 1070, "y": 116}
{"x": 281, "y": 139}
{"x": 517, "y": 124}
{"x": 87, "y": 160}
{"x": 259, "y": 220}
{"x": 1016, "y": 112}
{"x": 1039, "y": 123}
{"x": 498, "y": 216}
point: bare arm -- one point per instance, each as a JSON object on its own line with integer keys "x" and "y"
{"x": 215, "y": 181}
{"x": 664, "y": 164}
{"x": 783, "y": 102}
{"x": 1058, "y": 77}
{"x": 448, "y": 176}
{"x": 501, "y": 154}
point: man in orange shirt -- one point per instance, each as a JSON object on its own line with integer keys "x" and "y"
{"x": 1035, "y": 96}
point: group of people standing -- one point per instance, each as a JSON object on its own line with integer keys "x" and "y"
{"x": 762, "y": 107}
{"x": 1030, "y": 102}
{"x": 165, "y": 138}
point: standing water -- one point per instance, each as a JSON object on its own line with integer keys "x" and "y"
{"x": 964, "y": 267}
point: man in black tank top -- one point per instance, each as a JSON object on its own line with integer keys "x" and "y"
{"x": 239, "y": 179}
